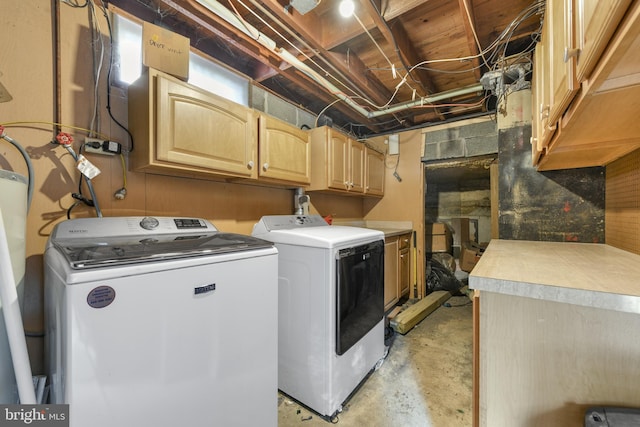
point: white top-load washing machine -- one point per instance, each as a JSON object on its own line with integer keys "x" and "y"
{"x": 161, "y": 322}
{"x": 331, "y": 307}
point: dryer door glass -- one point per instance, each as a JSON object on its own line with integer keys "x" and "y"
{"x": 360, "y": 293}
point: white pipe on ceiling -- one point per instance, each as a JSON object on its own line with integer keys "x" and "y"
{"x": 231, "y": 18}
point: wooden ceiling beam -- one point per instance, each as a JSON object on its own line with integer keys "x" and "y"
{"x": 348, "y": 68}
{"x": 468, "y": 18}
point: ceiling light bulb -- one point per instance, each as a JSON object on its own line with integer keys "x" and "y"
{"x": 346, "y": 8}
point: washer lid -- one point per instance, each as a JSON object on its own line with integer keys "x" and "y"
{"x": 83, "y": 253}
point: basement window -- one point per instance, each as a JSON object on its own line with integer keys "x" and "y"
{"x": 203, "y": 72}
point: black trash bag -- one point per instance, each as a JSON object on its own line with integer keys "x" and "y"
{"x": 441, "y": 278}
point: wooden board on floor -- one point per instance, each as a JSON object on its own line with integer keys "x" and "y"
{"x": 410, "y": 317}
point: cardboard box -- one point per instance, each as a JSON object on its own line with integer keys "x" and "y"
{"x": 165, "y": 51}
{"x": 460, "y": 232}
{"x": 436, "y": 228}
{"x": 470, "y": 254}
{"x": 460, "y": 227}
{"x": 437, "y": 237}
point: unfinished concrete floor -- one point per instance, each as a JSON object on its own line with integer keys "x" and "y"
{"x": 425, "y": 380}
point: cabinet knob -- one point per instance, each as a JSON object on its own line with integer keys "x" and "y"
{"x": 265, "y": 166}
{"x": 570, "y": 53}
{"x": 250, "y": 164}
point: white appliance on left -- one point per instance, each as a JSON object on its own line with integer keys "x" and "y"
{"x": 161, "y": 322}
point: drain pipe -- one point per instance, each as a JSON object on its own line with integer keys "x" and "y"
{"x": 224, "y": 13}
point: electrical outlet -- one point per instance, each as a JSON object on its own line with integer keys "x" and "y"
{"x": 100, "y": 146}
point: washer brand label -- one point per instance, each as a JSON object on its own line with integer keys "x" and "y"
{"x": 204, "y": 289}
{"x": 101, "y": 296}
{"x": 34, "y": 415}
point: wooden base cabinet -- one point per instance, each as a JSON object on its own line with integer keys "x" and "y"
{"x": 391, "y": 295}
{"x": 397, "y": 269}
{"x": 404, "y": 264}
{"x": 179, "y": 129}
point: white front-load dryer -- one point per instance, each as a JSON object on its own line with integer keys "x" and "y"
{"x": 331, "y": 307}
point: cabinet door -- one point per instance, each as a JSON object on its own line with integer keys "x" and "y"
{"x": 374, "y": 172}
{"x": 404, "y": 264}
{"x": 559, "y": 21}
{"x": 198, "y": 129}
{"x": 545, "y": 89}
{"x": 338, "y": 162}
{"x": 536, "y": 99}
{"x": 405, "y": 273}
{"x": 390, "y": 272}
{"x": 356, "y": 163}
{"x": 596, "y": 21}
{"x": 284, "y": 151}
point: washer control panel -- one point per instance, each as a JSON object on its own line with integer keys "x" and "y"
{"x": 129, "y": 226}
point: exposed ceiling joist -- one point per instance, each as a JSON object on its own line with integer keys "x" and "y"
{"x": 314, "y": 59}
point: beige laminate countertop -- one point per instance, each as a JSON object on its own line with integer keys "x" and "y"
{"x": 587, "y": 274}
{"x": 391, "y": 232}
{"x": 389, "y": 228}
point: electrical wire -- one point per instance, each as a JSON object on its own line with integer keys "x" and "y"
{"x": 475, "y": 34}
{"x": 97, "y": 69}
{"x": 296, "y": 48}
{"x": 106, "y": 17}
{"x": 325, "y": 109}
{"x": 78, "y": 196}
{"x": 531, "y": 10}
{"x": 41, "y": 122}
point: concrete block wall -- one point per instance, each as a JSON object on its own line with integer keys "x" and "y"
{"x": 265, "y": 101}
{"x": 469, "y": 140}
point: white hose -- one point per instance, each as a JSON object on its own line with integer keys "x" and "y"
{"x": 13, "y": 321}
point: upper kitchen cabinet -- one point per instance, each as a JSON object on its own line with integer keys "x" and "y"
{"x": 338, "y": 164}
{"x": 374, "y": 172}
{"x": 541, "y": 132}
{"x": 599, "y": 124}
{"x": 595, "y": 23}
{"x": 561, "y": 65}
{"x": 182, "y": 130}
{"x": 284, "y": 152}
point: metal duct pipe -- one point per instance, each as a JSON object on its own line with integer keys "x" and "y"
{"x": 425, "y": 100}
{"x": 224, "y": 13}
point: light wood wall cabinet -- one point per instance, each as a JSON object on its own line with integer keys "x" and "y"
{"x": 338, "y": 164}
{"x": 179, "y": 129}
{"x": 374, "y": 172}
{"x": 284, "y": 152}
{"x": 586, "y": 84}
{"x": 397, "y": 268}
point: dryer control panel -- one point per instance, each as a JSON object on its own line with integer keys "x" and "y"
{"x": 287, "y": 222}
